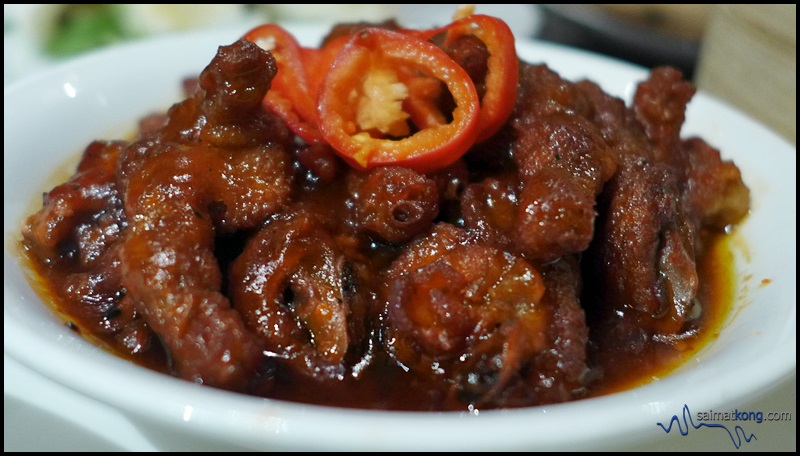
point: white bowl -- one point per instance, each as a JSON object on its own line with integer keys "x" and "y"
{"x": 48, "y": 119}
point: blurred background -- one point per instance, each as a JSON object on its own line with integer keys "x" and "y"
{"x": 744, "y": 54}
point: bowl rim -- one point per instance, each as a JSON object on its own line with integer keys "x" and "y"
{"x": 204, "y": 409}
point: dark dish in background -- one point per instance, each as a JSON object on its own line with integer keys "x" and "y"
{"x": 744, "y": 54}
{"x": 649, "y": 35}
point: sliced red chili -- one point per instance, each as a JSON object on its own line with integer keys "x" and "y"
{"x": 503, "y": 66}
{"x": 290, "y": 96}
{"x": 361, "y": 103}
{"x": 318, "y": 61}
{"x": 502, "y": 77}
{"x": 422, "y": 103}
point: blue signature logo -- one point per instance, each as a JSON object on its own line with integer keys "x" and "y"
{"x": 738, "y": 436}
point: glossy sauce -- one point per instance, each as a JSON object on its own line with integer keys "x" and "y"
{"x": 561, "y": 259}
{"x": 386, "y": 386}
{"x": 718, "y": 285}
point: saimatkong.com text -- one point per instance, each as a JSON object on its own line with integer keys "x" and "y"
{"x": 743, "y": 415}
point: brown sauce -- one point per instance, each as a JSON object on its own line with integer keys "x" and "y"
{"x": 386, "y": 386}
{"x": 578, "y": 251}
{"x": 717, "y": 292}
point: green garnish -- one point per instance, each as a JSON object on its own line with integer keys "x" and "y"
{"x": 81, "y": 28}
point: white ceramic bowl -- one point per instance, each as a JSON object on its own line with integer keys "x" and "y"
{"x": 48, "y": 119}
